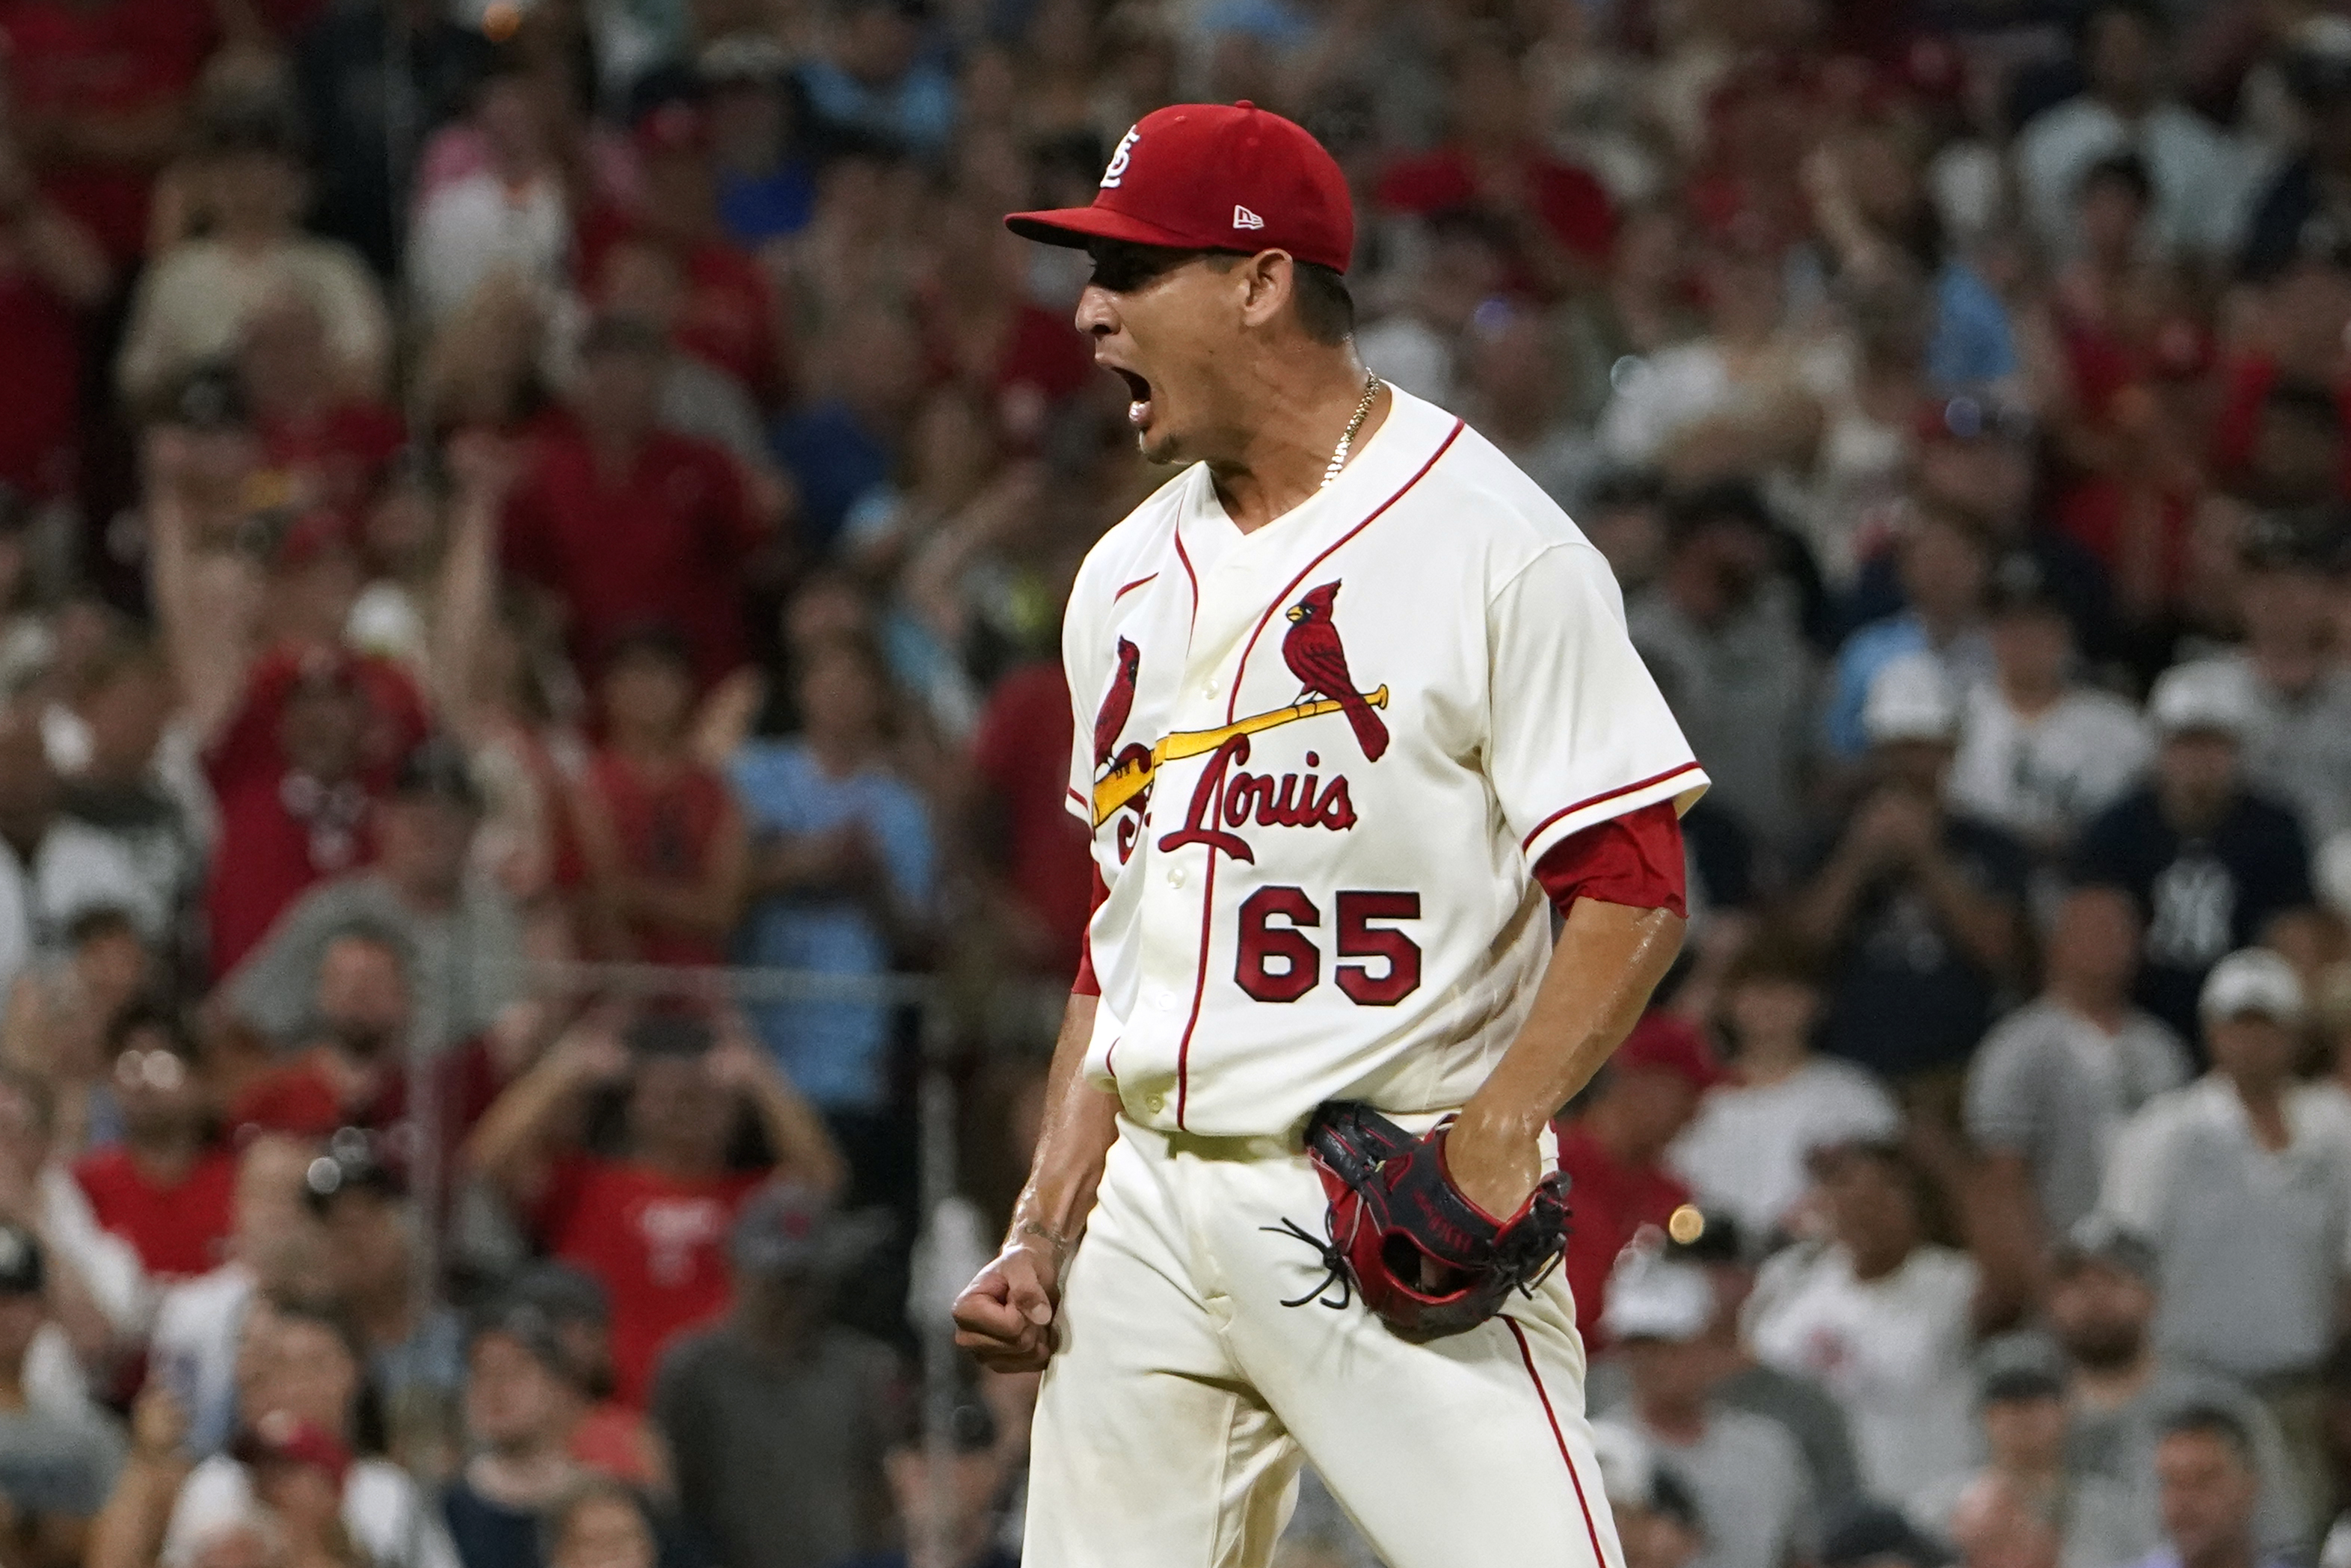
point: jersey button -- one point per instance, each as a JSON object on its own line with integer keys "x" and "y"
{"x": 1176, "y": 877}
{"x": 1155, "y": 1103}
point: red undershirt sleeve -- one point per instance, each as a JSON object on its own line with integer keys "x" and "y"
{"x": 1085, "y": 985}
{"x": 1634, "y": 860}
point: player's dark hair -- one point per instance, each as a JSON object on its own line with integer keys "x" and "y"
{"x": 2213, "y": 1421}
{"x": 1325, "y": 309}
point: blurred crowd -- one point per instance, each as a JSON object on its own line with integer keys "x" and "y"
{"x": 532, "y": 542}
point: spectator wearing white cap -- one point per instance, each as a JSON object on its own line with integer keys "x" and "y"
{"x": 2241, "y": 1184}
{"x": 2292, "y": 681}
{"x": 1918, "y": 908}
{"x": 1744, "y": 1471}
{"x": 2213, "y": 865}
{"x": 2039, "y": 753}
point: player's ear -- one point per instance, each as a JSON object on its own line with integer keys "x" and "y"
{"x": 1267, "y": 279}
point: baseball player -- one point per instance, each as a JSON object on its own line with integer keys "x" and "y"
{"x": 1356, "y": 710}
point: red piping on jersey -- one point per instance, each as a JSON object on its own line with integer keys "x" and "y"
{"x": 1536, "y": 831}
{"x": 1233, "y": 700}
{"x": 1083, "y": 803}
{"x": 1199, "y": 989}
{"x": 1591, "y": 1531}
{"x": 1208, "y": 893}
{"x": 1130, "y": 587}
{"x": 1191, "y": 577}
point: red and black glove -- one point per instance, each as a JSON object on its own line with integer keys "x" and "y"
{"x": 1397, "y": 1222}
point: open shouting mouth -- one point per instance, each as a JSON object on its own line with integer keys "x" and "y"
{"x": 1138, "y": 393}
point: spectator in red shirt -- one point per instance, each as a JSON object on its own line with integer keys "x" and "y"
{"x": 666, "y": 848}
{"x": 1613, "y": 1150}
{"x": 1036, "y": 849}
{"x": 1559, "y": 215}
{"x": 296, "y": 741}
{"x": 2299, "y": 336}
{"x": 729, "y": 319}
{"x": 51, "y": 271}
{"x": 651, "y": 1223}
{"x": 295, "y": 774}
{"x": 99, "y": 91}
{"x": 984, "y": 334}
{"x": 167, "y": 1187}
{"x": 627, "y": 524}
{"x": 355, "y": 1073}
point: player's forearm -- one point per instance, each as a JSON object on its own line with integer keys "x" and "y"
{"x": 1607, "y": 960}
{"x": 1081, "y": 1122}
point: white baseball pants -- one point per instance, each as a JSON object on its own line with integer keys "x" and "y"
{"x": 1174, "y": 1417}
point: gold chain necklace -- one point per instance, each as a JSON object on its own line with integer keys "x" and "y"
{"x": 1362, "y": 411}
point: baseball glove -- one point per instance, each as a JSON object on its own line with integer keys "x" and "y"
{"x": 1397, "y": 1221}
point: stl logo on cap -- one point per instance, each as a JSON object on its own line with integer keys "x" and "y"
{"x": 1221, "y": 177}
{"x": 1117, "y": 169}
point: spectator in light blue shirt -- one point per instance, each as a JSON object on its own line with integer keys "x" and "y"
{"x": 1944, "y": 567}
{"x": 877, "y": 80}
{"x": 842, "y": 866}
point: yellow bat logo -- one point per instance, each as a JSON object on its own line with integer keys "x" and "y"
{"x": 1129, "y": 779}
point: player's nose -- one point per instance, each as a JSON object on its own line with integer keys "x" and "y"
{"x": 1097, "y": 314}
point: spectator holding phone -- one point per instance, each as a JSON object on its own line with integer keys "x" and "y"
{"x": 650, "y": 1223}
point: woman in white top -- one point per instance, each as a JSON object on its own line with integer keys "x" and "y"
{"x": 192, "y": 303}
{"x": 1882, "y": 1318}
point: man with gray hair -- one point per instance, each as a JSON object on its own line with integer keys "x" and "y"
{"x": 2241, "y": 1184}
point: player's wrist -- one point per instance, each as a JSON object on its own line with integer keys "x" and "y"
{"x": 1487, "y": 1123}
{"x": 1030, "y": 1232}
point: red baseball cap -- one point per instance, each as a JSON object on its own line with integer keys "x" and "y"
{"x": 1662, "y": 1042}
{"x": 1212, "y": 176}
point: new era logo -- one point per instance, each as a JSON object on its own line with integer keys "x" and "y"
{"x": 1245, "y": 219}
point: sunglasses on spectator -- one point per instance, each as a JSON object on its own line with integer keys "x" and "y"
{"x": 159, "y": 1069}
{"x": 1974, "y": 419}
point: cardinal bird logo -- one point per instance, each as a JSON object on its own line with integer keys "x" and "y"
{"x": 1319, "y": 660}
{"x": 1110, "y": 723}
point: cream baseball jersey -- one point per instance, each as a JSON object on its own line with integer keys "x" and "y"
{"x": 1318, "y": 761}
